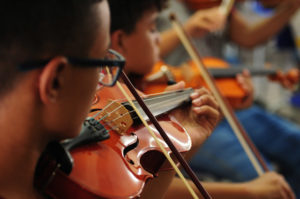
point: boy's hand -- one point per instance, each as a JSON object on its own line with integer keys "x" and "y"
{"x": 205, "y": 108}
{"x": 200, "y": 118}
{"x": 177, "y": 86}
{"x": 288, "y": 80}
{"x": 268, "y": 186}
{"x": 205, "y": 21}
{"x": 244, "y": 80}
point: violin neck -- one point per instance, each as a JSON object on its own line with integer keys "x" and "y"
{"x": 162, "y": 103}
{"x": 232, "y": 72}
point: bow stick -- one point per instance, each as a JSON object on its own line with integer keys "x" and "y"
{"x": 250, "y": 149}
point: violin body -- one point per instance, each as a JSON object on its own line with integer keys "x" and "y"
{"x": 189, "y": 73}
{"x": 224, "y": 76}
{"x": 120, "y": 166}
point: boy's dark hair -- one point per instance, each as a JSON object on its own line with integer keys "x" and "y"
{"x": 126, "y": 13}
{"x": 35, "y": 29}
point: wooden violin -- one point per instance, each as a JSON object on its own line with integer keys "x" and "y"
{"x": 120, "y": 166}
{"x": 225, "y": 76}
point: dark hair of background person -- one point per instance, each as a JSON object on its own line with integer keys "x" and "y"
{"x": 126, "y": 13}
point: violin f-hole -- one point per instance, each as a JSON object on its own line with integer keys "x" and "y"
{"x": 152, "y": 160}
{"x": 134, "y": 142}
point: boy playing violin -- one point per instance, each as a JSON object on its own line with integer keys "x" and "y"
{"x": 145, "y": 53}
{"x": 141, "y": 57}
{"x": 44, "y": 95}
{"x": 134, "y": 34}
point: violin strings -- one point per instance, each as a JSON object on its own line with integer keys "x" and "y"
{"x": 153, "y": 105}
{"x": 148, "y": 100}
{"x": 157, "y": 96}
{"x": 165, "y": 95}
{"x": 94, "y": 116}
{"x": 150, "y": 95}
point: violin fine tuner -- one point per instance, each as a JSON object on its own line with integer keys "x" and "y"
{"x": 91, "y": 131}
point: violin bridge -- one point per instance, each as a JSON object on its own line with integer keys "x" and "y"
{"x": 117, "y": 117}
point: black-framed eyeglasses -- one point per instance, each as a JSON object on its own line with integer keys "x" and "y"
{"x": 110, "y": 67}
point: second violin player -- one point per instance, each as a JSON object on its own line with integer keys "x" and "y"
{"x": 136, "y": 37}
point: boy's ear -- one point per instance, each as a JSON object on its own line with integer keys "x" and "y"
{"x": 117, "y": 41}
{"x": 52, "y": 79}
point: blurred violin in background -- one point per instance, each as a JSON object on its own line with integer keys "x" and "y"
{"x": 225, "y": 76}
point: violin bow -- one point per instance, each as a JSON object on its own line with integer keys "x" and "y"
{"x": 250, "y": 149}
{"x": 226, "y": 6}
{"x": 154, "y": 121}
